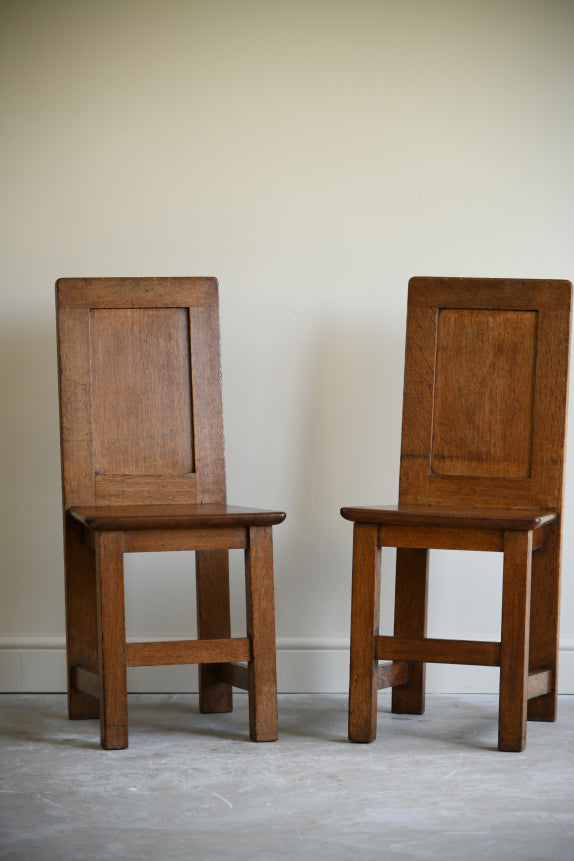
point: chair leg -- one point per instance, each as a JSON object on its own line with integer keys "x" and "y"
{"x": 411, "y": 621}
{"x": 514, "y": 641}
{"x": 112, "y": 640}
{"x": 545, "y": 619}
{"x": 213, "y": 622}
{"x": 365, "y": 612}
{"x": 81, "y": 618}
{"x": 260, "y": 605}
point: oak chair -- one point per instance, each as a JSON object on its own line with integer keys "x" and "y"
{"x": 482, "y": 468}
{"x": 143, "y": 470}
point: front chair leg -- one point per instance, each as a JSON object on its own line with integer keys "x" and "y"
{"x": 365, "y": 611}
{"x": 260, "y": 607}
{"x": 514, "y": 640}
{"x": 112, "y": 640}
{"x": 213, "y": 622}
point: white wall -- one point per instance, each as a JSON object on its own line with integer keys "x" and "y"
{"x": 313, "y": 156}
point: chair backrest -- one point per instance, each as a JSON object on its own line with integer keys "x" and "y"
{"x": 140, "y": 391}
{"x": 485, "y": 396}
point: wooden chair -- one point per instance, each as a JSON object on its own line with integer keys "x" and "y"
{"x": 143, "y": 470}
{"x": 482, "y": 467}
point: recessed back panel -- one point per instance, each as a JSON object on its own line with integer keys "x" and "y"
{"x": 140, "y": 363}
{"x": 484, "y": 393}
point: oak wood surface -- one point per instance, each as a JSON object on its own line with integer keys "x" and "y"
{"x": 166, "y": 653}
{"x": 545, "y": 620}
{"x": 452, "y": 517}
{"x": 365, "y": 613}
{"x": 142, "y": 420}
{"x": 435, "y": 651}
{"x": 213, "y": 620}
{"x": 86, "y": 682}
{"x": 391, "y": 674}
{"x": 208, "y": 515}
{"x": 514, "y": 641}
{"x": 112, "y": 641}
{"x": 539, "y": 684}
{"x": 235, "y": 675}
{"x": 81, "y": 618}
{"x": 484, "y": 397}
{"x": 411, "y": 596}
{"x": 75, "y": 293}
{"x": 482, "y": 468}
{"x": 260, "y": 606}
{"x": 490, "y": 485}
{"x": 441, "y": 537}
{"x": 143, "y": 469}
{"x": 198, "y": 538}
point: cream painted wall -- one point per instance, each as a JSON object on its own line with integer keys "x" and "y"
{"x": 313, "y": 156}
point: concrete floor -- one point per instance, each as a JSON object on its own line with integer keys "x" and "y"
{"x": 192, "y": 786}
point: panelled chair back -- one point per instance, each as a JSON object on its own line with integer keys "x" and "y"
{"x": 482, "y": 468}
{"x": 143, "y": 470}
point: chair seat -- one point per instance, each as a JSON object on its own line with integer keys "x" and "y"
{"x": 106, "y": 518}
{"x": 465, "y": 518}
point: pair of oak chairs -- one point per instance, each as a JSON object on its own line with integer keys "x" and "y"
{"x": 482, "y": 468}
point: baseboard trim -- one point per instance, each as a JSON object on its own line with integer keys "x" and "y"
{"x": 304, "y": 665}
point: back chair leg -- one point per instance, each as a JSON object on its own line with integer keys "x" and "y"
{"x": 544, "y": 620}
{"x": 213, "y": 622}
{"x": 112, "y": 640}
{"x": 514, "y": 640}
{"x": 260, "y": 607}
{"x": 81, "y": 619}
{"x": 411, "y": 621}
{"x": 365, "y": 613}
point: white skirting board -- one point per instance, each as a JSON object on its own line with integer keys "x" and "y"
{"x": 304, "y": 665}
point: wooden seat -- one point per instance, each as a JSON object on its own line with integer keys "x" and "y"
{"x": 482, "y": 468}
{"x": 143, "y": 470}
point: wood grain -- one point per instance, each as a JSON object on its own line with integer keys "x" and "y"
{"x": 391, "y": 674}
{"x": 84, "y": 293}
{"x": 197, "y": 538}
{"x": 136, "y": 517}
{"x": 514, "y": 641}
{"x": 451, "y": 517}
{"x": 484, "y": 394}
{"x": 236, "y": 675}
{"x": 171, "y": 653}
{"x": 434, "y": 651}
{"x": 143, "y": 470}
{"x": 214, "y": 620}
{"x": 112, "y": 641}
{"x": 539, "y": 684}
{"x": 81, "y": 618}
{"x": 365, "y": 613}
{"x": 496, "y": 293}
{"x": 141, "y": 396}
{"x": 260, "y": 608}
{"x": 482, "y": 468}
{"x": 431, "y": 300}
{"x": 545, "y": 621}
{"x": 411, "y": 595}
{"x": 208, "y": 406}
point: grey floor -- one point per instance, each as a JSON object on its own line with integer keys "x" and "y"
{"x": 192, "y": 786}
